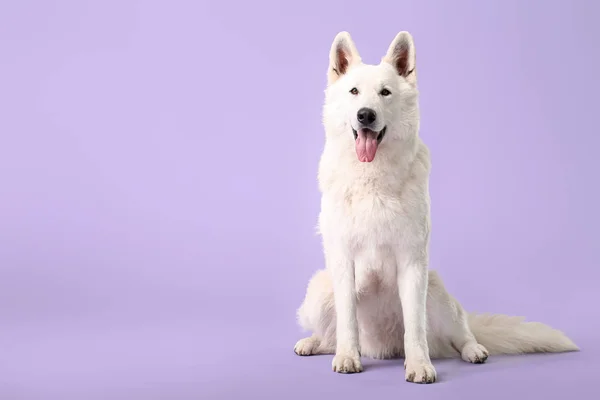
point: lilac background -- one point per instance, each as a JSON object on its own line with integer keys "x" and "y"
{"x": 158, "y": 190}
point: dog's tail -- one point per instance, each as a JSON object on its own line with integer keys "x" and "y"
{"x": 501, "y": 334}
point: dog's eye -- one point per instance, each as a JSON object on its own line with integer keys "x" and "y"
{"x": 354, "y": 91}
{"x": 385, "y": 92}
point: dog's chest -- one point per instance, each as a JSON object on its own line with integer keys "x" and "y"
{"x": 367, "y": 215}
{"x": 372, "y": 225}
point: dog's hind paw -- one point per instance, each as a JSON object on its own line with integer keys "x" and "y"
{"x": 474, "y": 353}
{"x": 307, "y": 346}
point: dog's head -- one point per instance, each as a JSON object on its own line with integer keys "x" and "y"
{"x": 370, "y": 105}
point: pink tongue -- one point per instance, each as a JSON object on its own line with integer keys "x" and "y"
{"x": 366, "y": 145}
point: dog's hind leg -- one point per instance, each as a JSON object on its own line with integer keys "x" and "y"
{"x": 317, "y": 314}
{"x": 449, "y": 326}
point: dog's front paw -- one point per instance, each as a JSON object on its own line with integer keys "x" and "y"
{"x": 346, "y": 364}
{"x": 419, "y": 372}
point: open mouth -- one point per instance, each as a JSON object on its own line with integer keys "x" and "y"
{"x": 380, "y": 134}
{"x": 366, "y": 142}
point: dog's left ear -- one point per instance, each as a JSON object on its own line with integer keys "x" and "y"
{"x": 401, "y": 54}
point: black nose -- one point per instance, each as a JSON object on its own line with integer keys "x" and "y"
{"x": 366, "y": 116}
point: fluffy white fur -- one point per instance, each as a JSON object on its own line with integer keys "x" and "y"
{"x": 376, "y": 297}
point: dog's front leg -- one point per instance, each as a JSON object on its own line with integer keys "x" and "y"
{"x": 412, "y": 287}
{"x": 347, "y": 354}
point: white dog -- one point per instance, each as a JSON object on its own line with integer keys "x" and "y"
{"x": 376, "y": 297}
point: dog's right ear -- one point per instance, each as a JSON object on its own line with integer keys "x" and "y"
{"x": 342, "y": 56}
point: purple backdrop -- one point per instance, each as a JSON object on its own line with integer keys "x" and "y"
{"x": 158, "y": 191}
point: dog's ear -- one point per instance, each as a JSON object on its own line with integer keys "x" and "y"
{"x": 401, "y": 54}
{"x": 342, "y": 57}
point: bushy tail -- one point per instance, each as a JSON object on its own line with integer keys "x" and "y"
{"x": 501, "y": 334}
